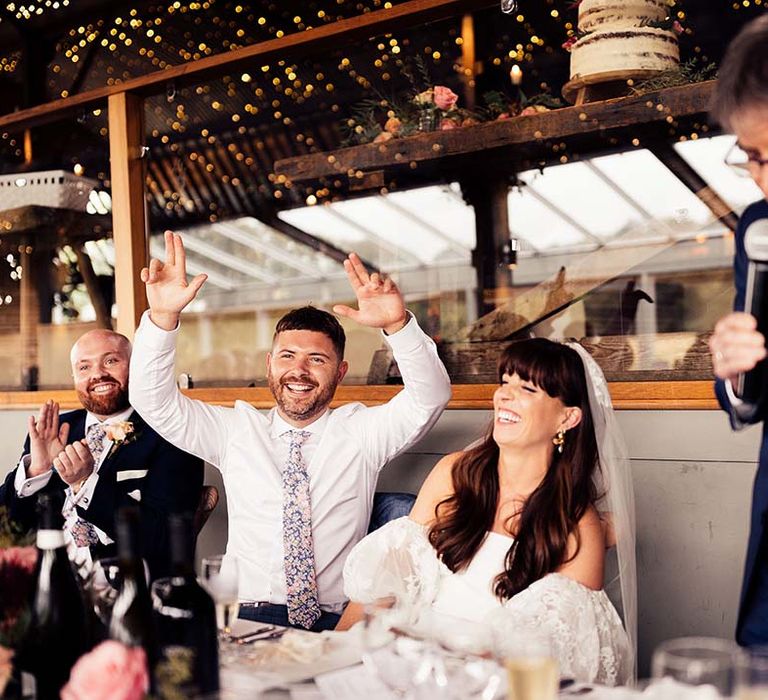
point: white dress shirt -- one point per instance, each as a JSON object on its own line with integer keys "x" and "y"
{"x": 347, "y": 448}
{"x": 28, "y": 486}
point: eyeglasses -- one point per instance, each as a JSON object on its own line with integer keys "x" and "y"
{"x": 742, "y": 163}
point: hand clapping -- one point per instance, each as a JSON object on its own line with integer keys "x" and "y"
{"x": 47, "y": 438}
{"x": 74, "y": 463}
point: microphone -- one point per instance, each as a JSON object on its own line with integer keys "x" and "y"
{"x": 750, "y": 385}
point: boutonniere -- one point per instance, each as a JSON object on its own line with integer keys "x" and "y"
{"x": 120, "y": 433}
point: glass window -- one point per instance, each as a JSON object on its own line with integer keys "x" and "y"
{"x": 56, "y": 265}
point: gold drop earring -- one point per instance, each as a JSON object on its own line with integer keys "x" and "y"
{"x": 559, "y": 440}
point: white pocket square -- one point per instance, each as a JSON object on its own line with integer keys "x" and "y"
{"x": 135, "y": 494}
{"x": 131, "y": 474}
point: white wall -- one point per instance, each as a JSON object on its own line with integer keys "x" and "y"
{"x": 693, "y": 481}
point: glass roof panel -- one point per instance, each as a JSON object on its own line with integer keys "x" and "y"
{"x": 442, "y": 208}
{"x": 576, "y": 189}
{"x": 325, "y": 224}
{"x": 706, "y": 157}
{"x": 655, "y": 188}
{"x": 532, "y": 220}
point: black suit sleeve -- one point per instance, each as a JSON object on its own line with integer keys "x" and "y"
{"x": 172, "y": 485}
{"x": 23, "y": 510}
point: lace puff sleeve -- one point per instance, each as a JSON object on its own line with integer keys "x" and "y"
{"x": 582, "y": 625}
{"x": 395, "y": 560}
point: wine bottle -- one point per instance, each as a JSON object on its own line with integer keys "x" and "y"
{"x": 58, "y": 633}
{"x": 131, "y": 622}
{"x": 186, "y": 621}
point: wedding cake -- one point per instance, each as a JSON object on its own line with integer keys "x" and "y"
{"x": 623, "y": 35}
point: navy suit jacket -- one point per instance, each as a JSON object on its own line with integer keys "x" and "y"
{"x": 752, "y": 622}
{"x": 172, "y": 483}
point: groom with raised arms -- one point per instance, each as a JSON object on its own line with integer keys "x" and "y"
{"x": 299, "y": 479}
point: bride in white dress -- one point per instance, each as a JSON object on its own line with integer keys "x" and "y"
{"x": 514, "y": 530}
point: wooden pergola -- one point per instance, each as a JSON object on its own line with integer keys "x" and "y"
{"x": 524, "y": 139}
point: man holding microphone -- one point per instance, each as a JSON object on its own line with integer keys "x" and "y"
{"x": 741, "y": 105}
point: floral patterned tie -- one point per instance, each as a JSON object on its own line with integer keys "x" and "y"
{"x": 82, "y": 531}
{"x": 301, "y": 586}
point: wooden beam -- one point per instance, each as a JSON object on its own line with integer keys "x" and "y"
{"x": 498, "y": 136}
{"x": 625, "y": 395}
{"x": 328, "y": 37}
{"x": 129, "y": 220}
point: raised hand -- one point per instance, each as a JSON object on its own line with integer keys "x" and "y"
{"x": 47, "y": 438}
{"x": 380, "y": 303}
{"x": 736, "y": 345}
{"x": 168, "y": 291}
{"x": 74, "y": 464}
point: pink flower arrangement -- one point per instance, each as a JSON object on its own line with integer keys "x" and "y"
{"x": 677, "y": 27}
{"x": 17, "y": 569}
{"x": 112, "y": 670}
{"x": 393, "y": 125}
{"x": 444, "y": 98}
{"x": 23, "y": 557}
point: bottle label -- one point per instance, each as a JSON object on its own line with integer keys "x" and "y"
{"x": 50, "y": 539}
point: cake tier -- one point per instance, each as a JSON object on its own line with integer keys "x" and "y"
{"x": 632, "y": 49}
{"x": 620, "y": 14}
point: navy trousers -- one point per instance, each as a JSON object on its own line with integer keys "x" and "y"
{"x": 278, "y": 615}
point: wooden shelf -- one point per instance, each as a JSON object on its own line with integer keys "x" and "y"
{"x": 498, "y": 137}
{"x": 625, "y": 395}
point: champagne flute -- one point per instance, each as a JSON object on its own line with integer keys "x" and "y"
{"x": 219, "y": 576}
{"x": 697, "y": 661}
{"x": 532, "y": 671}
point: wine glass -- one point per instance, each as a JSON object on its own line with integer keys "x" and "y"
{"x": 219, "y": 576}
{"x": 532, "y": 670}
{"x": 697, "y": 661}
{"x": 752, "y": 674}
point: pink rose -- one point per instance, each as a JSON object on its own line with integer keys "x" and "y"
{"x": 112, "y": 670}
{"x": 444, "y": 97}
{"x": 448, "y": 124}
{"x": 568, "y": 43}
{"x": 22, "y": 557}
{"x": 393, "y": 125}
{"x": 503, "y": 115}
{"x": 677, "y": 27}
{"x": 5, "y": 666}
{"x": 383, "y": 137}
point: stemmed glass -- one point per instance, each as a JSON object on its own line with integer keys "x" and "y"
{"x": 697, "y": 661}
{"x": 428, "y": 657}
{"x": 219, "y": 576}
{"x": 532, "y": 669}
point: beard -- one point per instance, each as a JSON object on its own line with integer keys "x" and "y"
{"x": 300, "y": 408}
{"x": 104, "y": 405}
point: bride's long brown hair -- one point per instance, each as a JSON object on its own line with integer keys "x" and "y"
{"x": 552, "y": 512}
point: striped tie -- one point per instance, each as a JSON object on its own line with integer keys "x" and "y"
{"x": 301, "y": 586}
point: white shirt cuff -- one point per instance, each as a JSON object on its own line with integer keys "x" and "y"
{"x": 155, "y": 337}
{"x": 408, "y": 338}
{"x": 84, "y": 496}
{"x": 741, "y": 408}
{"x": 734, "y": 400}
{"x": 28, "y": 486}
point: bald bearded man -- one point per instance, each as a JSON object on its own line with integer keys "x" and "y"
{"x": 100, "y": 458}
